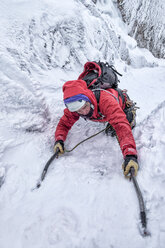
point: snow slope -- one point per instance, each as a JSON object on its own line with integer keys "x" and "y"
{"x": 85, "y": 201}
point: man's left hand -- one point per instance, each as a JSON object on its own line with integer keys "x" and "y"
{"x": 130, "y": 161}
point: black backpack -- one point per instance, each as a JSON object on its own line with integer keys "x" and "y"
{"x": 100, "y": 76}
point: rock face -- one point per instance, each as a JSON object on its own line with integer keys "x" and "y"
{"x": 146, "y": 22}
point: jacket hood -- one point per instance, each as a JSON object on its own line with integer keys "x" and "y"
{"x": 75, "y": 87}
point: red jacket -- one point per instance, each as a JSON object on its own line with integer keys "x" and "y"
{"x": 109, "y": 107}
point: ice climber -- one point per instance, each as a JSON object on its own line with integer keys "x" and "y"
{"x": 114, "y": 107}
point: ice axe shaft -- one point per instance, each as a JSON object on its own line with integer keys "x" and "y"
{"x": 44, "y": 172}
{"x": 141, "y": 204}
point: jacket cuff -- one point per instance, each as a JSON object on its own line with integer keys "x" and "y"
{"x": 130, "y": 151}
{"x": 60, "y": 137}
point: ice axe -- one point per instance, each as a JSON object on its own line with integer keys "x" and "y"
{"x": 143, "y": 218}
{"x": 55, "y": 155}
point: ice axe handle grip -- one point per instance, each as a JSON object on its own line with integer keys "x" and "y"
{"x": 132, "y": 171}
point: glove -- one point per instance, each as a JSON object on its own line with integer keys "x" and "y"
{"x": 130, "y": 161}
{"x": 59, "y": 144}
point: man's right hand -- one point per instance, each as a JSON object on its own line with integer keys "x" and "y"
{"x": 59, "y": 144}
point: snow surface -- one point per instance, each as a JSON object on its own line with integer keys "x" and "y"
{"x": 84, "y": 201}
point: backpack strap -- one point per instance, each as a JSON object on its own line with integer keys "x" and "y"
{"x": 120, "y": 93}
{"x": 97, "y": 95}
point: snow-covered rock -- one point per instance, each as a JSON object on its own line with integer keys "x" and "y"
{"x": 146, "y": 23}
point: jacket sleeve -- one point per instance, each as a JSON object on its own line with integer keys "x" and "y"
{"x": 117, "y": 118}
{"x": 65, "y": 124}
